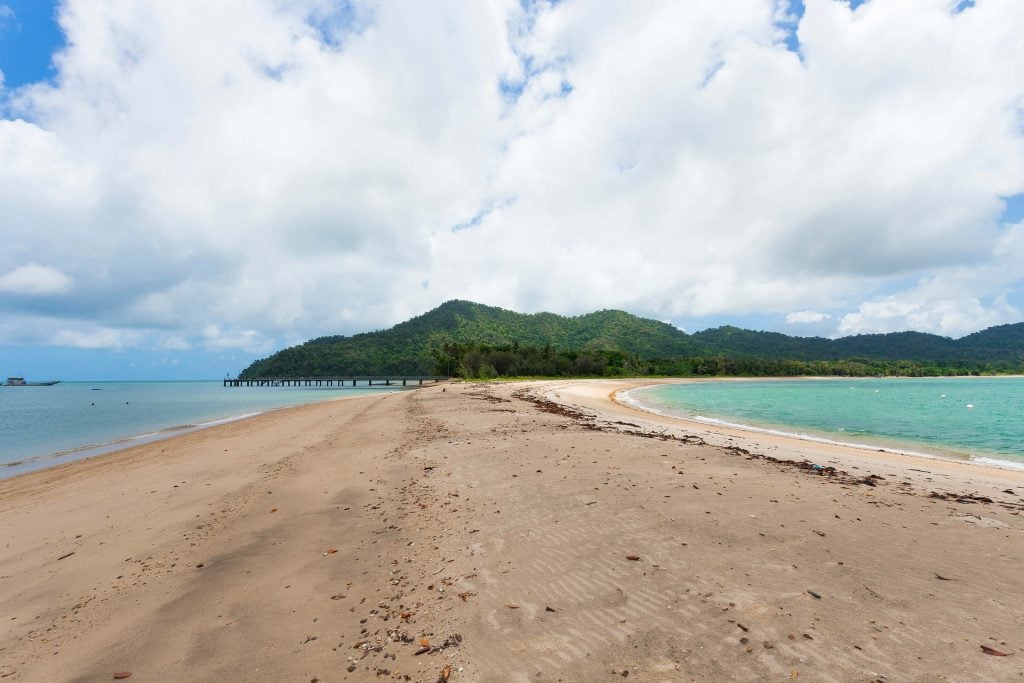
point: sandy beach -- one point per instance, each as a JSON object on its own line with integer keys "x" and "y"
{"x": 528, "y": 531}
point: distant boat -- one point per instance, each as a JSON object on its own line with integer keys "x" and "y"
{"x": 20, "y": 382}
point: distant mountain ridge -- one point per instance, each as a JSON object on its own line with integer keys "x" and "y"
{"x": 410, "y": 348}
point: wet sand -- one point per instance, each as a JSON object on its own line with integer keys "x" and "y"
{"x": 496, "y": 526}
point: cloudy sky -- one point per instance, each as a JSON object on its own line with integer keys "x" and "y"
{"x": 187, "y": 185}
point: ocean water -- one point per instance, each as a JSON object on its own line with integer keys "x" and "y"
{"x": 43, "y": 426}
{"x": 975, "y": 418}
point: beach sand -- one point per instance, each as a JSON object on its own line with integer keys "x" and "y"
{"x": 533, "y": 531}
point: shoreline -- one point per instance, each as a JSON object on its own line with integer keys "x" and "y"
{"x": 527, "y": 531}
{"x": 42, "y": 462}
{"x": 35, "y": 463}
{"x": 604, "y": 402}
{"x": 922, "y": 450}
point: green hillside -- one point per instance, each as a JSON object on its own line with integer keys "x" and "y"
{"x": 407, "y": 347}
{"x": 461, "y": 337}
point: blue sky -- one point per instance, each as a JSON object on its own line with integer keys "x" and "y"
{"x": 29, "y": 36}
{"x": 200, "y": 187}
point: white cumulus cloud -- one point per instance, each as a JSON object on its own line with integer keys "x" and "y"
{"x": 95, "y": 337}
{"x": 33, "y": 279}
{"x": 806, "y": 317}
{"x": 949, "y": 317}
{"x": 287, "y": 170}
{"x": 215, "y": 339}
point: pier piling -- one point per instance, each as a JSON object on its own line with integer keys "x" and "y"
{"x": 339, "y": 382}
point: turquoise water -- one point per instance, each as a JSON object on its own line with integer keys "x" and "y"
{"x": 42, "y": 426}
{"x": 963, "y": 417}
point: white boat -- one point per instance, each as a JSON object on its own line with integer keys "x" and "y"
{"x": 20, "y": 382}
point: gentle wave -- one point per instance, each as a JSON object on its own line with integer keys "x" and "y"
{"x": 995, "y": 462}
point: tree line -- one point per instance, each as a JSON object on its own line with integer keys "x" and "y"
{"x": 482, "y": 361}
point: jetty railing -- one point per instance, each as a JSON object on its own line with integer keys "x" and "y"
{"x": 367, "y": 380}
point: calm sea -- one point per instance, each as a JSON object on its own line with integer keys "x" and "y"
{"x": 43, "y": 426}
{"x": 977, "y": 418}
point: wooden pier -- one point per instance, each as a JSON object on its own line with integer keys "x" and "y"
{"x": 329, "y": 382}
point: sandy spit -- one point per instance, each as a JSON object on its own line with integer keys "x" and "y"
{"x": 534, "y": 531}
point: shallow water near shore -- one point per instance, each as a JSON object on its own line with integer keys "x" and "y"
{"x": 45, "y": 426}
{"x": 974, "y": 418}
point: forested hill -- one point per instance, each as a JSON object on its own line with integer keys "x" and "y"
{"x": 616, "y": 342}
{"x": 406, "y": 348}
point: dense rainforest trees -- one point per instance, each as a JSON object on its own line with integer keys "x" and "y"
{"x": 465, "y": 339}
{"x": 486, "y": 362}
